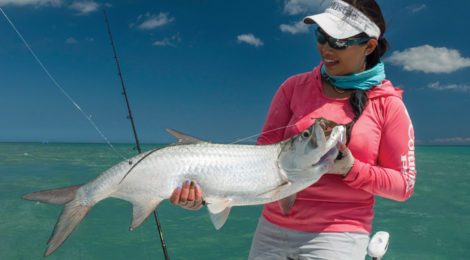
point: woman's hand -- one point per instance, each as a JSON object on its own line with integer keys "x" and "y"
{"x": 188, "y": 196}
{"x": 344, "y": 162}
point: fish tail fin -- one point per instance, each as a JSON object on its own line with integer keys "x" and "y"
{"x": 56, "y": 196}
{"x": 72, "y": 214}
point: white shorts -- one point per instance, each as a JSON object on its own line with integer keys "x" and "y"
{"x": 274, "y": 242}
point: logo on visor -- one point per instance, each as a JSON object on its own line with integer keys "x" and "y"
{"x": 347, "y": 10}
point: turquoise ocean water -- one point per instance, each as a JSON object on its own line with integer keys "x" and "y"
{"x": 433, "y": 224}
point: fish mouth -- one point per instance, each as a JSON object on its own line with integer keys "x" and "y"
{"x": 333, "y": 152}
{"x": 326, "y": 125}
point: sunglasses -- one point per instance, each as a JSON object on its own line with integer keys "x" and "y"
{"x": 337, "y": 44}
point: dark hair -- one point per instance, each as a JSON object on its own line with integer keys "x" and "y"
{"x": 371, "y": 9}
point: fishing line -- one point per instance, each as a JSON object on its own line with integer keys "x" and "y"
{"x": 264, "y": 132}
{"x": 88, "y": 117}
{"x": 269, "y": 131}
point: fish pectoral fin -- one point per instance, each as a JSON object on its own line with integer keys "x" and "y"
{"x": 274, "y": 192}
{"x": 219, "y": 219}
{"x": 184, "y": 138}
{"x": 286, "y": 203}
{"x": 141, "y": 211}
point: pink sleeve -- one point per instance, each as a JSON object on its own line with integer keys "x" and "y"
{"x": 395, "y": 173}
{"x": 279, "y": 115}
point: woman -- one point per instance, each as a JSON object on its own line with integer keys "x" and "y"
{"x": 332, "y": 219}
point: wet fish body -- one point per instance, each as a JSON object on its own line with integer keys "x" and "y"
{"x": 228, "y": 174}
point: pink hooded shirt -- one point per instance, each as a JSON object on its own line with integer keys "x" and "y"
{"x": 382, "y": 142}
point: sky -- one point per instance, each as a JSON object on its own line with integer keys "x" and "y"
{"x": 208, "y": 68}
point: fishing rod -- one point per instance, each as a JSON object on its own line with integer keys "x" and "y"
{"x": 124, "y": 93}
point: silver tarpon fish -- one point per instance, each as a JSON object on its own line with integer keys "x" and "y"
{"x": 228, "y": 174}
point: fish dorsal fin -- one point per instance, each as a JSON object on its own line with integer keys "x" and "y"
{"x": 184, "y": 138}
{"x": 219, "y": 211}
{"x": 286, "y": 203}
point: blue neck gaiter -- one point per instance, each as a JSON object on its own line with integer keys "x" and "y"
{"x": 364, "y": 80}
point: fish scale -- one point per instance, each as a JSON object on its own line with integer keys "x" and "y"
{"x": 215, "y": 167}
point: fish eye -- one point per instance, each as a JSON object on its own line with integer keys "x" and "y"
{"x": 306, "y": 134}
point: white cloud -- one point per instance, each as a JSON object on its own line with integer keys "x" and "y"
{"x": 84, "y": 7}
{"x": 168, "y": 41}
{"x": 71, "y": 40}
{"x": 455, "y": 87}
{"x": 31, "y": 2}
{"x": 250, "y": 39}
{"x": 416, "y": 8}
{"x": 429, "y": 59}
{"x": 153, "y": 21}
{"x": 165, "y": 42}
{"x": 299, "y": 27}
{"x": 293, "y": 7}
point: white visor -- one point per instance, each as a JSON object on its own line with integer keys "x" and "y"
{"x": 342, "y": 21}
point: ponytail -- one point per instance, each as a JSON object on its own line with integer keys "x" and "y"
{"x": 358, "y": 102}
